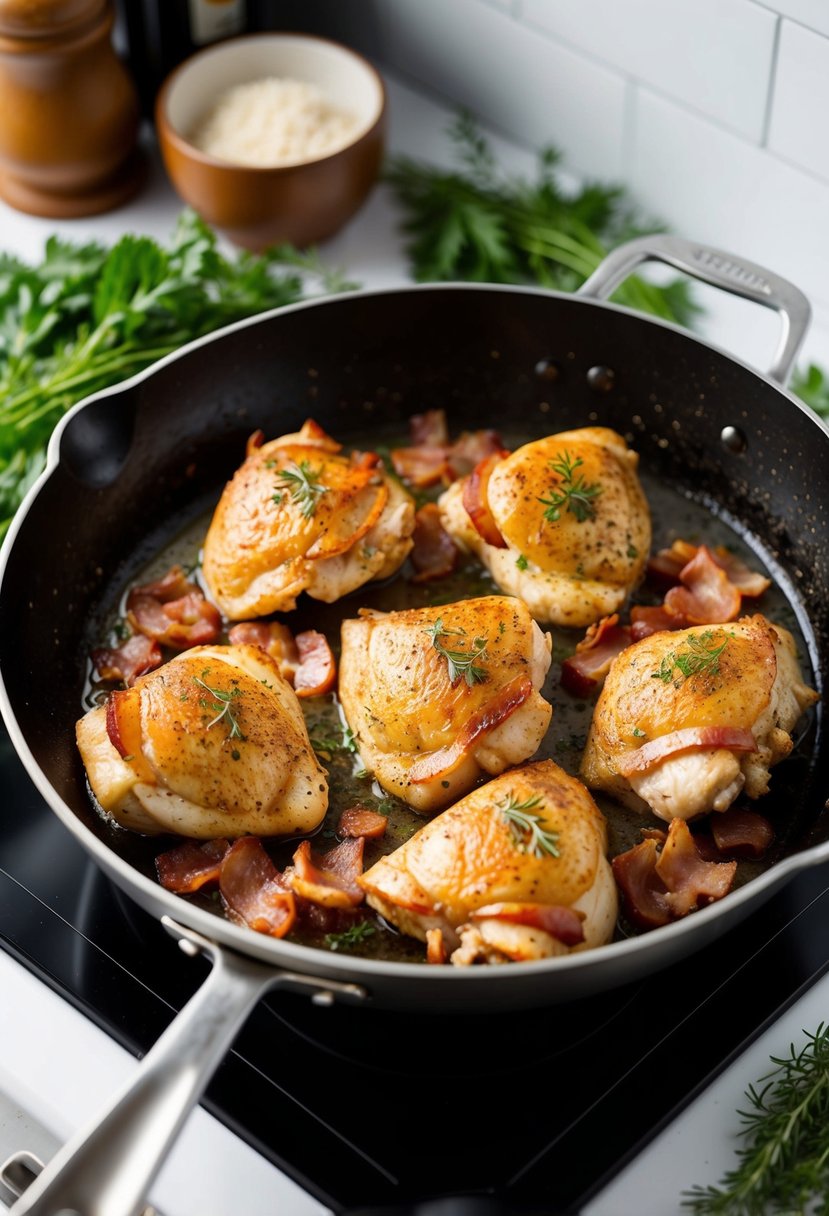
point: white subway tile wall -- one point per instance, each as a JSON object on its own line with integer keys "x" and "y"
{"x": 799, "y": 128}
{"x": 714, "y": 112}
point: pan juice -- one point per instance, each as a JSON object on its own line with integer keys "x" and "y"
{"x": 674, "y": 516}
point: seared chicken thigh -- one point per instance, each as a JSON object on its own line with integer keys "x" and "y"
{"x": 435, "y": 696}
{"x": 561, "y": 522}
{"x": 301, "y": 516}
{"x": 515, "y": 870}
{"x": 211, "y": 744}
{"x": 690, "y": 718}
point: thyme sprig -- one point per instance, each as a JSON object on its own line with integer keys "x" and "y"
{"x": 701, "y": 656}
{"x": 572, "y": 492}
{"x": 525, "y": 826}
{"x": 784, "y": 1164}
{"x": 354, "y": 935}
{"x": 222, "y": 706}
{"x": 303, "y": 484}
{"x": 462, "y": 663}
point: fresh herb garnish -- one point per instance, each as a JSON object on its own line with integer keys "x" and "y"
{"x": 461, "y": 663}
{"x": 637, "y": 733}
{"x": 303, "y": 485}
{"x": 572, "y": 492}
{"x": 784, "y": 1164}
{"x": 476, "y": 223}
{"x": 354, "y": 935}
{"x": 525, "y": 826}
{"x": 222, "y": 706}
{"x": 521, "y": 562}
{"x": 87, "y": 317}
{"x": 326, "y": 744}
{"x": 813, "y": 386}
{"x": 701, "y": 656}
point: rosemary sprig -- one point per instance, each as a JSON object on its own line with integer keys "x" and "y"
{"x": 462, "y": 663}
{"x": 572, "y": 493}
{"x": 525, "y": 826}
{"x": 701, "y": 656}
{"x": 222, "y": 706}
{"x": 302, "y": 483}
{"x": 354, "y": 935}
{"x": 784, "y": 1164}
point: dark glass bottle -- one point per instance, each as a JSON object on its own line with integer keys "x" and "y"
{"x": 158, "y": 34}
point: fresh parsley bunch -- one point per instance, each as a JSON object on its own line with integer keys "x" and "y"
{"x": 475, "y": 223}
{"x": 89, "y": 316}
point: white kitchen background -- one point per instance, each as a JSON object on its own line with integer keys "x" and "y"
{"x": 714, "y": 113}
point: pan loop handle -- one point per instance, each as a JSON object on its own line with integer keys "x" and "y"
{"x": 107, "y": 1169}
{"x": 719, "y": 269}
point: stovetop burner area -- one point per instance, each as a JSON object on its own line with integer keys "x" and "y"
{"x": 366, "y": 1108}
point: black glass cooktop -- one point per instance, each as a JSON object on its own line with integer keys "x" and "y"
{"x": 373, "y": 1111}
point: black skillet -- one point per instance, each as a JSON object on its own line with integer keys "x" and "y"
{"x": 129, "y": 466}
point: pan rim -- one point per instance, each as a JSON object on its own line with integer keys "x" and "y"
{"x": 290, "y": 955}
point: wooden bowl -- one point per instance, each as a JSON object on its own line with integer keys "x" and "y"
{"x": 301, "y": 203}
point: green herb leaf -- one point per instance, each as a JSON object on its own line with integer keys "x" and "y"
{"x": 784, "y": 1164}
{"x": 462, "y": 664}
{"x": 222, "y": 706}
{"x": 701, "y": 656}
{"x": 301, "y": 483}
{"x": 525, "y": 825}
{"x": 354, "y": 935}
{"x": 475, "y": 223}
{"x": 572, "y": 492}
{"x": 521, "y": 562}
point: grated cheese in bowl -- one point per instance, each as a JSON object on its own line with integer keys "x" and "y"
{"x": 274, "y": 121}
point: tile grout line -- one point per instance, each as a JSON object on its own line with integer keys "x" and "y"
{"x": 775, "y": 57}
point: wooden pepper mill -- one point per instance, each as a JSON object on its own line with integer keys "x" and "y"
{"x": 68, "y": 110}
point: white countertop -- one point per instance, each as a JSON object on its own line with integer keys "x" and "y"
{"x": 57, "y": 1069}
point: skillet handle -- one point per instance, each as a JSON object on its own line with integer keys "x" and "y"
{"x": 725, "y": 270}
{"x": 107, "y": 1169}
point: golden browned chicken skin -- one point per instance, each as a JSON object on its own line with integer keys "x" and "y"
{"x": 426, "y": 725}
{"x": 688, "y": 719}
{"x": 211, "y": 744}
{"x": 480, "y": 875}
{"x": 574, "y": 521}
{"x": 299, "y": 515}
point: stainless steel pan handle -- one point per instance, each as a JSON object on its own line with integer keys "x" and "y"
{"x": 725, "y": 270}
{"x": 107, "y": 1169}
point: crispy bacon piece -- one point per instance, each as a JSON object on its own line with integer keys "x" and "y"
{"x": 254, "y": 891}
{"x": 306, "y": 661}
{"x": 317, "y": 668}
{"x": 360, "y": 821}
{"x": 447, "y": 759}
{"x": 665, "y": 568}
{"x": 692, "y": 738}
{"x": 421, "y": 466}
{"x": 436, "y": 952}
{"x": 272, "y": 637}
{"x": 190, "y": 866}
{"x": 689, "y": 880}
{"x": 472, "y": 447}
{"x": 435, "y": 554}
{"x": 647, "y": 620}
{"x": 475, "y": 499}
{"x": 129, "y": 660}
{"x": 707, "y": 597}
{"x": 174, "y": 612}
{"x": 661, "y": 885}
{"x": 739, "y": 832}
{"x": 332, "y": 879}
{"x": 562, "y": 923}
{"x": 123, "y": 723}
{"x": 584, "y": 672}
{"x": 429, "y": 429}
{"x": 426, "y": 462}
